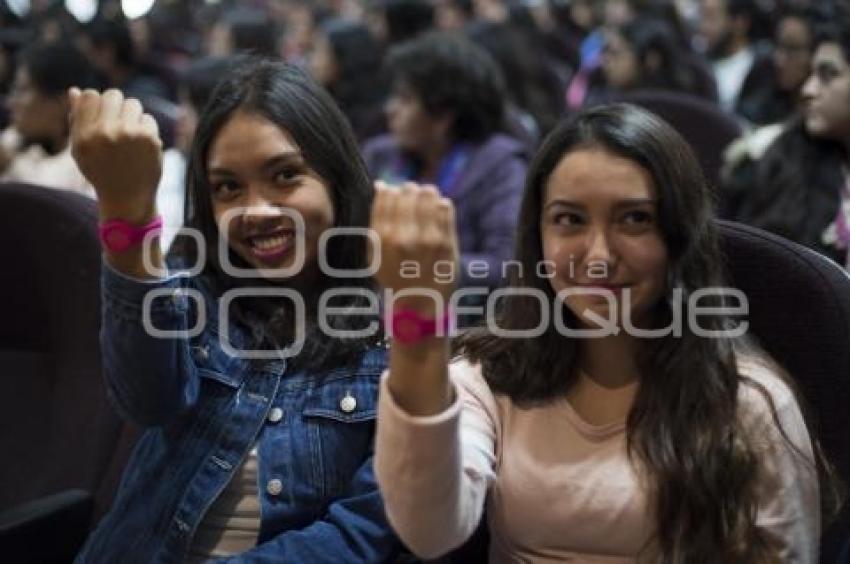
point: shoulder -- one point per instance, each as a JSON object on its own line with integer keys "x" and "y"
{"x": 762, "y": 377}
{"x": 473, "y": 389}
{"x": 767, "y": 404}
{"x": 380, "y": 147}
{"x": 500, "y": 146}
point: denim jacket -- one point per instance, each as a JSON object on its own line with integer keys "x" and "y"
{"x": 203, "y": 410}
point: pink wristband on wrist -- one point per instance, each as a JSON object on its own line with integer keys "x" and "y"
{"x": 409, "y": 327}
{"x": 117, "y": 235}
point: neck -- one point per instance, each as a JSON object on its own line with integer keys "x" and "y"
{"x": 610, "y": 361}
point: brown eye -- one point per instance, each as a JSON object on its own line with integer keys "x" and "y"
{"x": 568, "y": 219}
{"x": 224, "y": 189}
{"x": 638, "y": 217}
{"x": 286, "y": 175}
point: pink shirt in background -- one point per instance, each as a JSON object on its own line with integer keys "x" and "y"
{"x": 557, "y": 488}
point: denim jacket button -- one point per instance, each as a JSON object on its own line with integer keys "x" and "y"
{"x": 348, "y": 403}
{"x": 275, "y": 415}
{"x": 274, "y": 487}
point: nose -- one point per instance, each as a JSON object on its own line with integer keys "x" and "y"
{"x": 599, "y": 250}
{"x": 258, "y": 210}
{"x": 810, "y": 87}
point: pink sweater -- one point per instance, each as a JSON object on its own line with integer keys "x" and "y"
{"x": 557, "y": 488}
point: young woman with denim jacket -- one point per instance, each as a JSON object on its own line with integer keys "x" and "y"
{"x": 250, "y": 451}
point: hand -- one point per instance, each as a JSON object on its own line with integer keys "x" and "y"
{"x": 416, "y": 226}
{"x": 118, "y": 149}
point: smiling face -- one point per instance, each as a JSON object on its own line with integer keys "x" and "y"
{"x": 257, "y": 172}
{"x": 599, "y": 226}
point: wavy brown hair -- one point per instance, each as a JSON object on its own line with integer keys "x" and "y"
{"x": 684, "y": 429}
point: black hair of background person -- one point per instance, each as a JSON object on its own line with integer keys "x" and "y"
{"x": 54, "y": 68}
{"x": 765, "y": 102}
{"x": 534, "y": 85}
{"x": 449, "y": 73}
{"x": 201, "y": 76}
{"x": 286, "y": 96}
{"x": 760, "y": 19}
{"x": 687, "y": 453}
{"x": 652, "y": 38}
{"x": 795, "y": 189}
{"x": 406, "y": 19}
{"x": 360, "y": 87}
{"x": 103, "y": 32}
{"x": 252, "y": 31}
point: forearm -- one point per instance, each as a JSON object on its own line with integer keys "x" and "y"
{"x": 150, "y": 379}
{"x": 434, "y": 484}
{"x": 418, "y": 376}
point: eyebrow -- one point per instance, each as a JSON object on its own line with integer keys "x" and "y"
{"x": 288, "y": 157}
{"x": 624, "y": 203}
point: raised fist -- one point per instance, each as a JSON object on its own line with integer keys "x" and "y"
{"x": 117, "y": 147}
{"x": 416, "y": 226}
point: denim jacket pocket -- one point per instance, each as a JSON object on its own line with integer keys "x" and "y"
{"x": 340, "y": 418}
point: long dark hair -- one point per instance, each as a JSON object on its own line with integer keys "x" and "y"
{"x": 286, "y": 96}
{"x": 683, "y": 428}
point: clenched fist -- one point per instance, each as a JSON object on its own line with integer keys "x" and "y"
{"x": 117, "y": 147}
{"x": 416, "y": 226}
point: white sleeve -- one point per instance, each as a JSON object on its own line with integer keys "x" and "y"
{"x": 434, "y": 472}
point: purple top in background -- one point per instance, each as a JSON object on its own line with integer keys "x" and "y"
{"x": 486, "y": 194}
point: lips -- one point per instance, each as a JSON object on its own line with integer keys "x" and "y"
{"x": 271, "y": 246}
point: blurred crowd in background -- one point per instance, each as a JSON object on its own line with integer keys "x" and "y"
{"x": 459, "y": 93}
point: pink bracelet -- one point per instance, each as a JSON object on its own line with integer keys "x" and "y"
{"x": 117, "y": 235}
{"x": 410, "y": 327}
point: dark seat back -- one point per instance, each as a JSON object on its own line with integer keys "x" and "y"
{"x": 707, "y": 128}
{"x": 58, "y": 429}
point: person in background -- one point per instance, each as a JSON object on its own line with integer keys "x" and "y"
{"x": 644, "y": 54}
{"x": 779, "y": 98}
{"x": 445, "y": 113}
{"x": 453, "y": 15}
{"x": 536, "y": 91}
{"x": 346, "y": 59}
{"x": 35, "y": 148}
{"x": 800, "y": 187}
{"x": 243, "y": 31}
{"x": 396, "y": 21}
{"x": 741, "y": 64}
{"x": 109, "y": 46}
